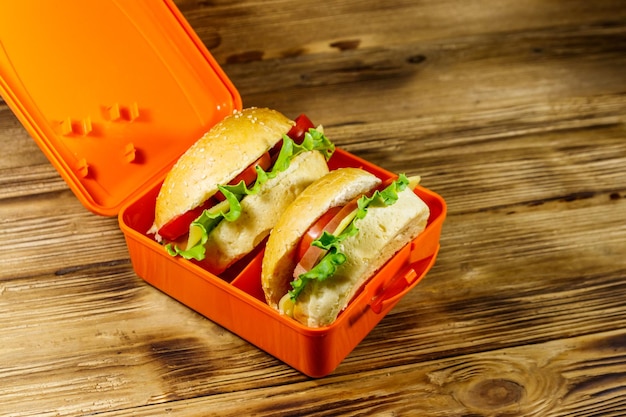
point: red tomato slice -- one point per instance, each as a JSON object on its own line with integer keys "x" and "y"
{"x": 179, "y": 226}
{"x": 248, "y": 175}
{"x": 309, "y": 255}
{"x": 297, "y": 131}
{"x": 306, "y": 255}
{"x": 332, "y": 225}
{"x": 315, "y": 231}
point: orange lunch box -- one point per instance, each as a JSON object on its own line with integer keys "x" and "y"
{"x": 113, "y": 93}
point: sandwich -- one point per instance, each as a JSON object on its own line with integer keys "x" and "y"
{"x": 222, "y": 197}
{"x": 334, "y": 236}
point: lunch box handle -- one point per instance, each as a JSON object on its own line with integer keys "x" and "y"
{"x": 402, "y": 283}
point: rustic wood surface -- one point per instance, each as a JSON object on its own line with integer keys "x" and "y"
{"x": 513, "y": 111}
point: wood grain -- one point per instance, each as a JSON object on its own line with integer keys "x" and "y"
{"x": 541, "y": 380}
{"x": 513, "y": 111}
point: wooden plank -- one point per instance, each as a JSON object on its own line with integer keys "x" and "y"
{"x": 582, "y": 376}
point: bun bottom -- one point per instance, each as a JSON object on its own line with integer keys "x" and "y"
{"x": 382, "y": 233}
{"x": 231, "y": 241}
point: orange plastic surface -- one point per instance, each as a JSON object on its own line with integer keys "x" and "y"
{"x": 235, "y": 300}
{"x": 112, "y": 91}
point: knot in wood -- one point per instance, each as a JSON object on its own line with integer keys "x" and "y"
{"x": 495, "y": 393}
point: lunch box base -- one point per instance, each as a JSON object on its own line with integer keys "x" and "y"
{"x": 236, "y": 300}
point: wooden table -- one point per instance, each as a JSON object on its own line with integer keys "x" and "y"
{"x": 513, "y": 111}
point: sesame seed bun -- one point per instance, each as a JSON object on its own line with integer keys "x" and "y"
{"x": 217, "y": 157}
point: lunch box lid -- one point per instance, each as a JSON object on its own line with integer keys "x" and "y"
{"x": 113, "y": 92}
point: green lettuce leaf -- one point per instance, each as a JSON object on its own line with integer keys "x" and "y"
{"x": 314, "y": 140}
{"x": 206, "y": 222}
{"x": 324, "y": 269}
{"x": 327, "y": 266}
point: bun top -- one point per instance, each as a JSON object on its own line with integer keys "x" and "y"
{"x": 216, "y": 158}
{"x": 334, "y": 189}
